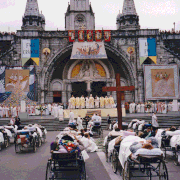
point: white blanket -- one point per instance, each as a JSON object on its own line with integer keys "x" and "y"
{"x": 1, "y": 137}
{"x": 124, "y": 151}
{"x": 172, "y": 133}
{"x": 8, "y": 132}
{"x": 142, "y": 151}
{"x": 175, "y": 140}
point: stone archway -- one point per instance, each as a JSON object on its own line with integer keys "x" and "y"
{"x": 117, "y": 57}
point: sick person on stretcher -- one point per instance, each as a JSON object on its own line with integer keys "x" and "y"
{"x": 147, "y": 147}
{"x": 67, "y": 144}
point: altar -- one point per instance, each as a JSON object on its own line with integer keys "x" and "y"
{"x": 104, "y": 112}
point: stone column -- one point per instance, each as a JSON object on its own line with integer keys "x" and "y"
{"x": 42, "y": 96}
{"x": 108, "y": 85}
{"x": 64, "y": 98}
{"x": 88, "y": 87}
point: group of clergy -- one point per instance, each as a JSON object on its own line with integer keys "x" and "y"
{"x": 91, "y": 102}
{"x": 9, "y": 111}
{"x": 158, "y": 107}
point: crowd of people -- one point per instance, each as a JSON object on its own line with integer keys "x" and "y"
{"x": 91, "y": 102}
{"x": 149, "y": 107}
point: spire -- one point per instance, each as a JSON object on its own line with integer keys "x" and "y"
{"x": 129, "y": 8}
{"x": 32, "y": 19}
{"x": 32, "y": 8}
{"x": 128, "y": 20}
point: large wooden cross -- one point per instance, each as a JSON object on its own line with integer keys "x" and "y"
{"x": 118, "y": 90}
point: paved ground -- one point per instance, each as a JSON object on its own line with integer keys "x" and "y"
{"x": 29, "y": 165}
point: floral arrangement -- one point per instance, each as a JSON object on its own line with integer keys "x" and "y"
{"x": 148, "y": 105}
{"x": 41, "y": 108}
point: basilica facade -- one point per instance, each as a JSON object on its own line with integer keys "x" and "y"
{"x": 58, "y": 76}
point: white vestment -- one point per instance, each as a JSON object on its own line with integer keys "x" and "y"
{"x": 56, "y": 111}
{"x": 87, "y": 103}
{"x": 79, "y": 124}
{"x": 138, "y": 108}
{"x": 71, "y": 117}
{"x": 89, "y": 145}
{"x": 97, "y": 102}
{"x": 154, "y": 121}
{"x": 61, "y": 114}
{"x": 142, "y": 108}
{"x": 49, "y": 108}
{"x": 37, "y": 112}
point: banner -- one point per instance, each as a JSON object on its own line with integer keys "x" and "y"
{"x": 98, "y": 35}
{"x": 107, "y": 35}
{"x": 147, "y": 48}
{"x": 81, "y": 36}
{"x": 88, "y": 50}
{"x": 16, "y": 77}
{"x": 30, "y": 49}
{"x": 90, "y": 35}
{"x": 71, "y": 36}
{"x": 18, "y": 84}
{"x": 161, "y": 82}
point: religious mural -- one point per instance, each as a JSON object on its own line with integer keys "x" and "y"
{"x": 88, "y": 69}
{"x": 16, "y": 84}
{"x": 161, "y": 82}
{"x": 15, "y": 77}
{"x": 88, "y": 50}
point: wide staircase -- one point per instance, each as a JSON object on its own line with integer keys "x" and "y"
{"x": 52, "y": 124}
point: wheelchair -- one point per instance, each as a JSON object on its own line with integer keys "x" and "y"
{"x": 97, "y": 129}
{"x": 25, "y": 139}
{"x": 6, "y": 142}
{"x": 150, "y": 166}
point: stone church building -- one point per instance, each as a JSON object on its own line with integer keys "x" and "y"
{"x": 59, "y": 77}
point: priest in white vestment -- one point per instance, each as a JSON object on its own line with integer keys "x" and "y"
{"x": 111, "y": 102}
{"x": 106, "y": 102}
{"x": 82, "y": 102}
{"x": 1, "y": 112}
{"x": 96, "y": 102}
{"x": 61, "y": 113}
{"x": 79, "y": 123}
{"x": 138, "y": 108}
{"x": 77, "y": 102}
{"x": 133, "y": 107}
{"x": 91, "y": 102}
{"x": 142, "y": 107}
{"x": 37, "y": 111}
{"x": 87, "y": 102}
{"x": 71, "y": 117}
{"x": 72, "y": 102}
{"x": 55, "y": 111}
{"x": 130, "y": 108}
{"x": 49, "y": 108}
{"x": 101, "y": 102}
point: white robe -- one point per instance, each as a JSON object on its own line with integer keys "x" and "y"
{"x": 89, "y": 145}
{"x": 97, "y": 102}
{"x": 87, "y": 103}
{"x": 55, "y": 112}
{"x": 71, "y": 117}
{"x": 79, "y": 124}
{"x": 49, "y": 108}
{"x": 154, "y": 121}
{"x": 61, "y": 114}
{"x": 1, "y": 112}
{"x": 138, "y": 108}
{"x": 142, "y": 108}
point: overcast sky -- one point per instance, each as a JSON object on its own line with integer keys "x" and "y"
{"x": 152, "y": 13}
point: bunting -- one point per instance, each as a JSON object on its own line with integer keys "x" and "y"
{"x": 98, "y": 35}
{"x": 81, "y": 36}
{"x": 90, "y": 35}
{"x": 107, "y": 35}
{"x": 71, "y": 36}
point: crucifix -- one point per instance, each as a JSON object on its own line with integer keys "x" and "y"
{"x": 118, "y": 90}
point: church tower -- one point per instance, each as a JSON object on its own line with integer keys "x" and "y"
{"x": 128, "y": 20}
{"x": 79, "y": 15}
{"x": 32, "y": 19}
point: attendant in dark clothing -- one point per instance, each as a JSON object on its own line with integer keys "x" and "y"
{"x": 18, "y": 122}
{"x": 108, "y": 121}
{"x": 86, "y": 119}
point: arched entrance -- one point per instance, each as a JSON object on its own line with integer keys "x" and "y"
{"x": 86, "y": 74}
